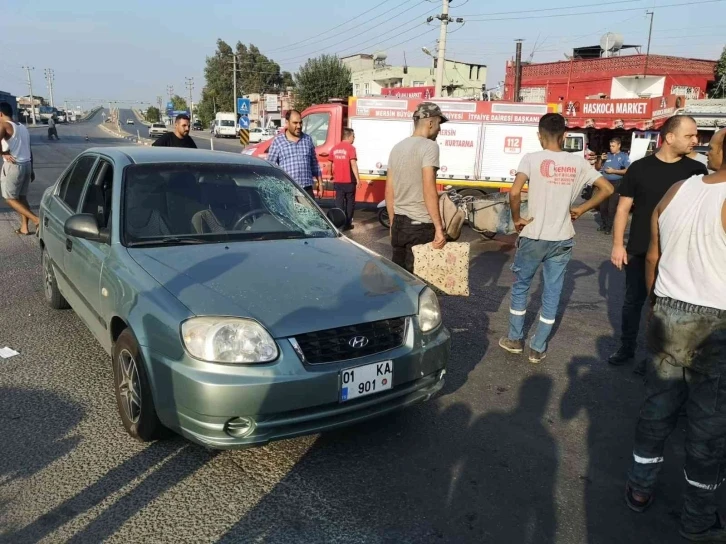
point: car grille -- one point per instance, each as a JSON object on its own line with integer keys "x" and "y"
{"x": 345, "y": 342}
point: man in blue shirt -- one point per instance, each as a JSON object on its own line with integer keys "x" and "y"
{"x": 613, "y": 169}
{"x": 294, "y": 152}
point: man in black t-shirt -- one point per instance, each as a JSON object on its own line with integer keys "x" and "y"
{"x": 643, "y": 186}
{"x": 180, "y": 137}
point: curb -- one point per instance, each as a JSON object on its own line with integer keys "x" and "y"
{"x": 134, "y": 139}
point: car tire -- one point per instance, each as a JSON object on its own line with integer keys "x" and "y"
{"x": 134, "y": 400}
{"x": 383, "y": 218}
{"x": 50, "y": 286}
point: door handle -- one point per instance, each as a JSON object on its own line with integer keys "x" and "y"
{"x": 45, "y": 221}
{"x": 69, "y": 244}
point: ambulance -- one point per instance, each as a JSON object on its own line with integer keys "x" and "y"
{"x": 481, "y": 145}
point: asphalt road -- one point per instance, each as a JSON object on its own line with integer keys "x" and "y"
{"x": 201, "y": 137}
{"x": 507, "y": 453}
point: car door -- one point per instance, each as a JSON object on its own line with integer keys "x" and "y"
{"x": 84, "y": 259}
{"x": 60, "y": 206}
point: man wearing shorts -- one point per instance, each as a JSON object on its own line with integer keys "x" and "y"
{"x": 17, "y": 168}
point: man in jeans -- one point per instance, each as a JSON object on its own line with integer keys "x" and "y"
{"x": 643, "y": 186}
{"x": 345, "y": 175}
{"x": 614, "y": 166}
{"x": 556, "y": 179}
{"x": 411, "y": 196}
{"x": 686, "y": 261}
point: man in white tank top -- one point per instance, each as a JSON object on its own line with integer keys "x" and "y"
{"x": 686, "y": 276}
{"x": 17, "y": 168}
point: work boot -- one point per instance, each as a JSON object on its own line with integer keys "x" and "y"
{"x": 640, "y": 367}
{"x": 512, "y": 346}
{"x": 622, "y": 356}
{"x": 536, "y": 357}
{"x": 715, "y": 533}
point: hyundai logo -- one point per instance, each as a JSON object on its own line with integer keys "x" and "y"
{"x": 358, "y": 342}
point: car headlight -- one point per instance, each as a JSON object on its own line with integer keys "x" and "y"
{"x": 429, "y": 312}
{"x": 228, "y": 340}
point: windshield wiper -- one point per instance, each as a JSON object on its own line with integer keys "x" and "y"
{"x": 168, "y": 241}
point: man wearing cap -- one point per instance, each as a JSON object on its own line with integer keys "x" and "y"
{"x": 411, "y": 196}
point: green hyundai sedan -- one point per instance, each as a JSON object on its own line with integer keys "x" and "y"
{"x": 234, "y": 311}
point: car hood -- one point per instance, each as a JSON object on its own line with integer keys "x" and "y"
{"x": 290, "y": 286}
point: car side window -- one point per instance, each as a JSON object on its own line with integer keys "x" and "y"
{"x": 98, "y": 196}
{"x": 72, "y": 188}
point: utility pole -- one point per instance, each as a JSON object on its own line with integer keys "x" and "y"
{"x": 170, "y": 91}
{"x": 189, "y": 81}
{"x": 49, "y": 76}
{"x": 445, "y": 19}
{"x": 234, "y": 79}
{"x": 159, "y": 98}
{"x": 647, "y": 51}
{"x": 518, "y": 70}
{"x": 32, "y": 98}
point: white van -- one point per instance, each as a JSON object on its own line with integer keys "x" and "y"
{"x": 225, "y": 125}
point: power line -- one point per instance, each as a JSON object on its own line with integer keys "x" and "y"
{"x": 327, "y": 48}
{"x": 336, "y": 28}
{"x": 594, "y": 12}
{"x": 550, "y": 9}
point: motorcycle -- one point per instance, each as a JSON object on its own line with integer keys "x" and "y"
{"x": 487, "y": 215}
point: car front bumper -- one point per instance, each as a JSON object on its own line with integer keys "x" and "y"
{"x": 287, "y": 398}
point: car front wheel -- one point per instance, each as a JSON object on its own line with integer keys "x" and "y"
{"x": 133, "y": 391}
{"x": 50, "y": 286}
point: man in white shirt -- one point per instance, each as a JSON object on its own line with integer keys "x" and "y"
{"x": 556, "y": 179}
{"x": 17, "y": 168}
{"x": 686, "y": 278}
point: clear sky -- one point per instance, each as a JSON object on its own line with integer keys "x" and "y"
{"x": 131, "y": 50}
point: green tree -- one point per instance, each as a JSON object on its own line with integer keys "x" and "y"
{"x": 180, "y": 104}
{"x": 256, "y": 73}
{"x": 718, "y": 89}
{"x": 153, "y": 115}
{"x": 320, "y": 79}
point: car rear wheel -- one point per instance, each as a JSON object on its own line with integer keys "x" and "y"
{"x": 50, "y": 286}
{"x": 133, "y": 391}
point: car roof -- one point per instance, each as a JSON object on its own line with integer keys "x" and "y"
{"x": 152, "y": 155}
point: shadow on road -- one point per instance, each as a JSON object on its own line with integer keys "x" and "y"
{"x": 400, "y": 482}
{"x": 611, "y": 408}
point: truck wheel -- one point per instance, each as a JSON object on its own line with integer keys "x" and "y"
{"x": 383, "y": 218}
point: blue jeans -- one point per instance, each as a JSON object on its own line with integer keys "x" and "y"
{"x": 688, "y": 368}
{"x": 553, "y": 256}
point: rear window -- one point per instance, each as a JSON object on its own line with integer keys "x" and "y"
{"x": 159, "y": 125}
{"x": 225, "y": 123}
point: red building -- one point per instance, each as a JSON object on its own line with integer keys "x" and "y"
{"x": 573, "y": 81}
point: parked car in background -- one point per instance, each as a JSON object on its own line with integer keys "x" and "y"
{"x": 197, "y": 125}
{"x": 156, "y": 130}
{"x": 256, "y": 135}
{"x": 129, "y": 121}
{"x": 148, "y": 246}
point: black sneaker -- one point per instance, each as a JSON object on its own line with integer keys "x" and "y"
{"x": 634, "y": 504}
{"x": 622, "y": 356}
{"x": 640, "y": 366}
{"x": 715, "y": 533}
{"x": 608, "y": 231}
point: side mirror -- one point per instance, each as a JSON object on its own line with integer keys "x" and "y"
{"x": 85, "y": 226}
{"x": 337, "y": 217}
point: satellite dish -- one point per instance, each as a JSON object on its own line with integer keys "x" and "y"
{"x": 612, "y": 41}
{"x": 380, "y": 55}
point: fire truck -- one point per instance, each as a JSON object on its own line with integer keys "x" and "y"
{"x": 481, "y": 145}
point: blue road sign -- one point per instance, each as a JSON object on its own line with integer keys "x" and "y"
{"x": 169, "y": 105}
{"x": 244, "y": 122}
{"x": 243, "y": 106}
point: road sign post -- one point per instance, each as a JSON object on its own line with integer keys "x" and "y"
{"x": 244, "y": 128}
{"x": 243, "y": 106}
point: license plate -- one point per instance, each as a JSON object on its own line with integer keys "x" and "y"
{"x": 365, "y": 380}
